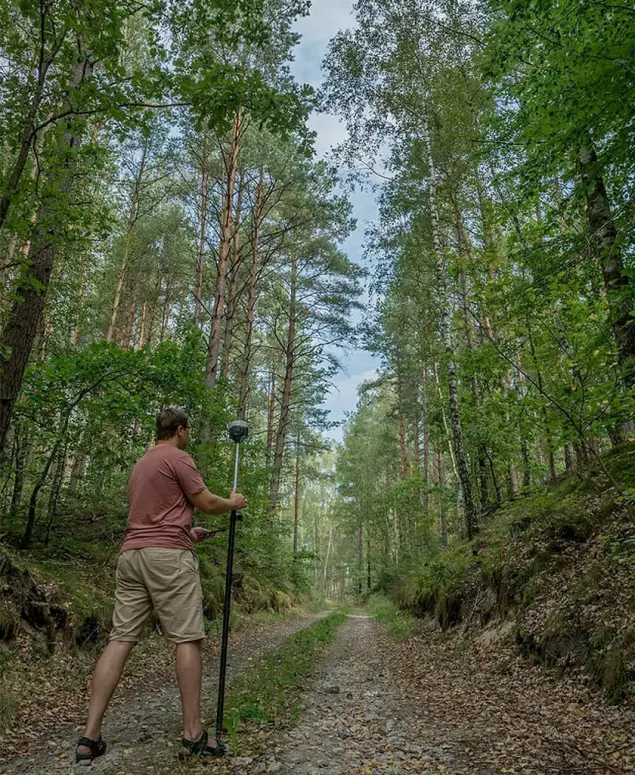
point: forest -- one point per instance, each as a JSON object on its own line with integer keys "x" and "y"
{"x": 170, "y": 236}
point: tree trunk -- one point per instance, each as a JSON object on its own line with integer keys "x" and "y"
{"x": 403, "y": 453}
{"x": 127, "y": 241}
{"x": 442, "y": 512}
{"x": 47, "y": 326}
{"x": 416, "y": 431}
{"x": 56, "y": 486}
{"x": 283, "y": 421}
{"x": 22, "y": 449}
{"x": 142, "y": 325}
{"x": 327, "y": 558}
{"x": 165, "y": 313}
{"x": 296, "y": 500}
{"x": 224, "y": 248}
{"x": 546, "y": 444}
{"x": 232, "y": 300}
{"x": 446, "y": 427}
{"x": 524, "y": 452}
{"x": 243, "y": 389}
{"x": 6, "y": 272}
{"x": 12, "y": 185}
{"x": 581, "y": 454}
{"x": 488, "y": 243}
{"x": 152, "y": 316}
{"x": 127, "y": 331}
{"x": 30, "y": 524}
{"x": 446, "y": 340}
{"x": 200, "y": 256}
{"x": 608, "y": 254}
{"x": 426, "y": 444}
{"x": 360, "y": 560}
{"x": 271, "y": 409}
{"x": 24, "y": 319}
{"x": 465, "y": 257}
{"x": 512, "y": 481}
{"x": 77, "y": 472}
{"x": 492, "y": 470}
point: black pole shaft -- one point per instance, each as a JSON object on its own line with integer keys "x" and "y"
{"x": 220, "y": 708}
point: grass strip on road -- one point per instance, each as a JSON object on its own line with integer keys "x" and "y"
{"x": 270, "y": 692}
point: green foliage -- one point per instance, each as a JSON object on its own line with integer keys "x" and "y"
{"x": 399, "y": 624}
{"x": 435, "y": 586}
{"x": 502, "y": 270}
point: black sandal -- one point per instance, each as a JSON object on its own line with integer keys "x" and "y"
{"x": 97, "y": 748}
{"x": 200, "y": 747}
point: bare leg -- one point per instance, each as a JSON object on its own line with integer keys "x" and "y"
{"x": 105, "y": 680}
{"x": 188, "y": 671}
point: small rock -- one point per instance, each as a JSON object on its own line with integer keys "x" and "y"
{"x": 242, "y": 761}
{"x": 274, "y": 767}
{"x": 332, "y": 689}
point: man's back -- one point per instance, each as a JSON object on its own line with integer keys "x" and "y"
{"x": 160, "y": 513}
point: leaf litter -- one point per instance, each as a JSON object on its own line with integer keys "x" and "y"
{"x": 432, "y": 703}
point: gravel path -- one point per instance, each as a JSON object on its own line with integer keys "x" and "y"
{"x": 380, "y": 706}
{"x": 144, "y": 724}
{"x": 359, "y": 718}
{"x": 428, "y": 704}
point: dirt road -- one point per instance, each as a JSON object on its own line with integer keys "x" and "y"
{"x": 142, "y": 726}
{"x": 381, "y": 706}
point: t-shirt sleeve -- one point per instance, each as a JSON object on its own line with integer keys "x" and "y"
{"x": 189, "y": 478}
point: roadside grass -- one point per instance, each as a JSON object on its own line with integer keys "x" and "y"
{"x": 270, "y": 693}
{"x": 8, "y": 705}
{"x": 399, "y": 624}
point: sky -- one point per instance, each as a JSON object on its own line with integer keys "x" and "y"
{"x": 327, "y": 17}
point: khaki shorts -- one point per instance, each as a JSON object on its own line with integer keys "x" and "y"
{"x": 165, "y": 580}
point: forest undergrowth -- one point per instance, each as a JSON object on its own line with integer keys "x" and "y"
{"x": 552, "y": 573}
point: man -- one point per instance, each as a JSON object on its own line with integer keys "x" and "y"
{"x": 158, "y": 569}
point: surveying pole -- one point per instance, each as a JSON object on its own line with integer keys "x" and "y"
{"x": 238, "y": 432}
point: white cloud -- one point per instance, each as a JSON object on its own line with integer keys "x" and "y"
{"x": 326, "y": 19}
{"x": 331, "y": 131}
{"x": 343, "y": 397}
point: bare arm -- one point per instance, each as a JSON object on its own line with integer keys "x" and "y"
{"x": 209, "y": 503}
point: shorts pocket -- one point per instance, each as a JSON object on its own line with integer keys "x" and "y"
{"x": 189, "y": 561}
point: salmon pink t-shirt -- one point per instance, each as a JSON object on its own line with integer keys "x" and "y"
{"x": 160, "y": 513}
